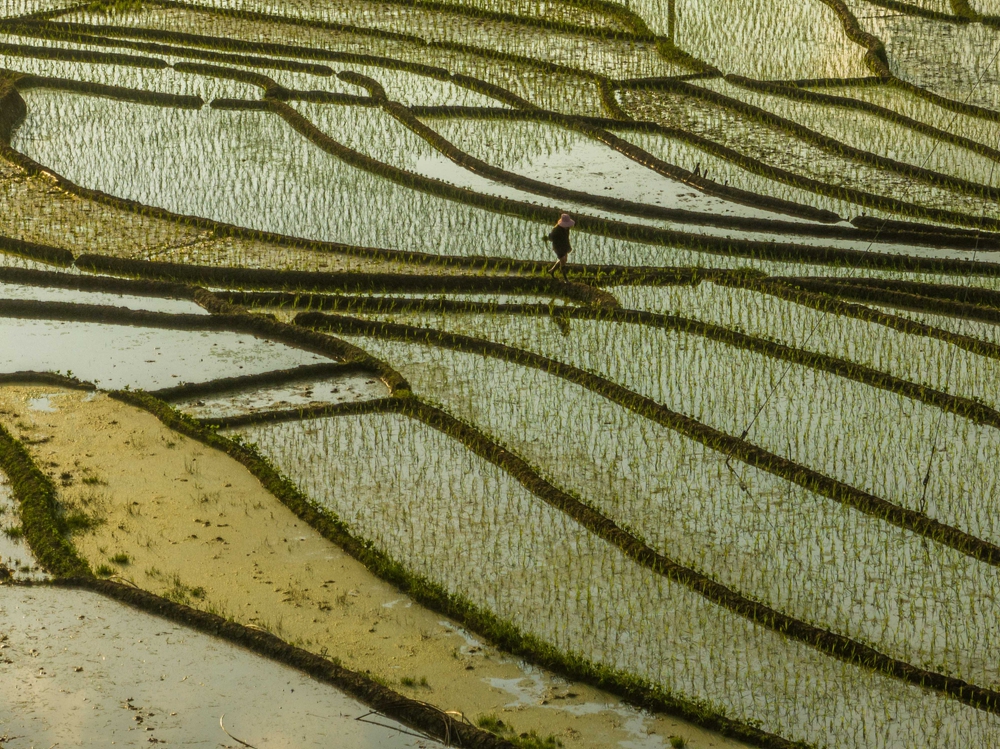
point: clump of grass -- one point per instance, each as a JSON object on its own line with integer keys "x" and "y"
{"x": 529, "y": 740}
{"x": 104, "y": 570}
{"x": 409, "y": 681}
{"x": 379, "y": 679}
{"x": 77, "y": 521}
{"x": 94, "y": 481}
{"x": 492, "y": 723}
{"x": 14, "y": 532}
{"x": 181, "y": 593}
{"x": 120, "y": 558}
{"x": 677, "y": 742}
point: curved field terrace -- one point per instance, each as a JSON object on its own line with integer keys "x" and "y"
{"x": 291, "y": 395}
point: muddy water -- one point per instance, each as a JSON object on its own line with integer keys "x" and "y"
{"x": 344, "y": 389}
{"x": 116, "y": 356}
{"x": 82, "y": 670}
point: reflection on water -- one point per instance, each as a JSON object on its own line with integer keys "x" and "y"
{"x": 72, "y": 296}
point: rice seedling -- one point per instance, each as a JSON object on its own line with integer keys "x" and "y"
{"x": 806, "y": 41}
{"x": 654, "y": 482}
{"x": 939, "y": 57}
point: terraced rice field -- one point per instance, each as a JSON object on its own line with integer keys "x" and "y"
{"x": 283, "y": 367}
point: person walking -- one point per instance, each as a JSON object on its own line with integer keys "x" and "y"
{"x": 559, "y": 237}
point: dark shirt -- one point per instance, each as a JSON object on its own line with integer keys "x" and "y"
{"x": 559, "y": 237}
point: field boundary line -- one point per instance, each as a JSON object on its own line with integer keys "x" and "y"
{"x": 831, "y": 145}
{"x": 405, "y": 115}
{"x": 715, "y": 439}
{"x": 815, "y": 97}
{"x": 830, "y": 643}
{"x": 865, "y": 290}
{"x": 963, "y": 407}
{"x": 12, "y": 108}
{"x": 274, "y": 377}
{"x": 488, "y": 448}
{"x": 826, "y": 300}
{"x": 837, "y": 192}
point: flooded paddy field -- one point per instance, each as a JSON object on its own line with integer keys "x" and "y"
{"x": 291, "y": 394}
